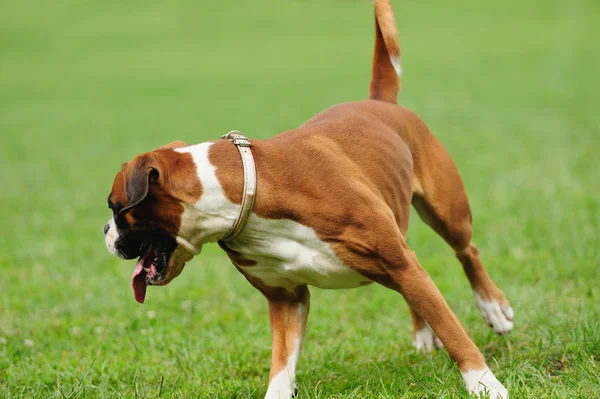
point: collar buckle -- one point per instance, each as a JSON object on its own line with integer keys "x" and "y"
{"x": 237, "y": 138}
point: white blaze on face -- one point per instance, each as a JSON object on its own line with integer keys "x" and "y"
{"x": 110, "y": 238}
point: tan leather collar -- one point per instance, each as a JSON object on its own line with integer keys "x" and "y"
{"x": 243, "y": 145}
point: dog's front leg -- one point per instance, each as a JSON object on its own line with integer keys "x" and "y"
{"x": 287, "y": 315}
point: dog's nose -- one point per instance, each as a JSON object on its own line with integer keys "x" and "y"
{"x": 106, "y": 227}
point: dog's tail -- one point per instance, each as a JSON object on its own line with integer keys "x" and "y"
{"x": 385, "y": 78}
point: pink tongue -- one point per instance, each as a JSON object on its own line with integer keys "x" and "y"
{"x": 138, "y": 281}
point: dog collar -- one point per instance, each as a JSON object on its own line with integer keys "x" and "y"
{"x": 243, "y": 145}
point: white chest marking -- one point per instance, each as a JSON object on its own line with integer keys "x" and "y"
{"x": 213, "y": 215}
{"x": 289, "y": 254}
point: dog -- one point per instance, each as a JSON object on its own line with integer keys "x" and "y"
{"x": 326, "y": 205}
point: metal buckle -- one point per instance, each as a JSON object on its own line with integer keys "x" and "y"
{"x": 237, "y": 138}
{"x": 241, "y": 141}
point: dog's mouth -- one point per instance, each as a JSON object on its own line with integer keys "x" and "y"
{"x": 151, "y": 269}
{"x": 163, "y": 260}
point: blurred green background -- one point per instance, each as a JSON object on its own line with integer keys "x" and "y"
{"x": 510, "y": 88}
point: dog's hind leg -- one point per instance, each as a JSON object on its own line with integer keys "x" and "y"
{"x": 423, "y": 337}
{"x": 442, "y": 204}
{"x": 382, "y": 255}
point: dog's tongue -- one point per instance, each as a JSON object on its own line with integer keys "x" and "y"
{"x": 138, "y": 280}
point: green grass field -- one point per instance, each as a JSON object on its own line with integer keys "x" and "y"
{"x": 511, "y": 89}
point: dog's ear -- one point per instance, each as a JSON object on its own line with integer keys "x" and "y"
{"x": 175, "y": 173}
{"x": 138, "y": 174}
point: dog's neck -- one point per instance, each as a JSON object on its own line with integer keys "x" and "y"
{"x": 213, "y": 216}
{"x": 199, "y": 226}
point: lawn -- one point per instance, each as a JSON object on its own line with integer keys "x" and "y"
{"x": 510, "y": 88}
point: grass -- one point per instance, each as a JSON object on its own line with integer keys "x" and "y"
{"x": 511, "y": 89}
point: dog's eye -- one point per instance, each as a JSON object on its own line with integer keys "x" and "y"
{"x": 114, "y": 210}
{"x": 120, "y": 220}
{"x": 114, "y": 207}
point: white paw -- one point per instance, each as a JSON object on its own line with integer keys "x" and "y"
{"x": 285, "y": 393}
{"x": 484, "y": 382}
{"x": 425, "y": 340}
{"x": 282, "y": 386}
{"x": 495, "y": 314}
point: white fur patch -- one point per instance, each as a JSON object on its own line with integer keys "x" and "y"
{"x": 289, "y": 254}
{"x": 283, "y": 385}
{"x": 213, "y": 215}
{"x": 110, "y": 238}
{"x": 484, "y": 381}
{"x": 425, "y": 340}
{"x": 396, "y": 64}
{"x": 498, "y": 316}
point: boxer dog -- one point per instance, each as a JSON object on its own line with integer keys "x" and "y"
{"x": 327, "y": 205}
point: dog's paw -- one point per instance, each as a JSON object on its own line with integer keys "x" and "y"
{"x": 484, "y": 384}
{"x": 281, "y": 394}
{"x": 281, "y": 390}
{"x": 425, "y": 340}
{"x": 499, "y": 316}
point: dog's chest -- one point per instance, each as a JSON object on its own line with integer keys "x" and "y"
{"x": 288, "y": 254}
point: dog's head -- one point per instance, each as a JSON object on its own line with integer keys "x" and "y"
{"x": 147, "y": 201}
